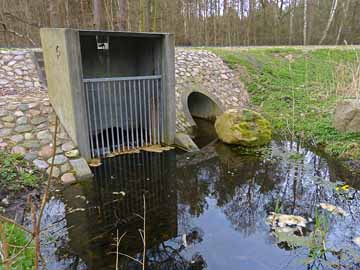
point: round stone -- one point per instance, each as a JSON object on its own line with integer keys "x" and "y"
{"x": 23, "y": 128}
{"x": 65, "y": 168}
{"x": 41, "y": 164}
{"x": 72, "y": 154}
{"x": 21, "y": 121}
{"x": 68, "y": 146}
{"x": 28, "y": 136}
{"x": 8, "y": 118}
{"x": 3, "y": 145}
{"x": 55, "y": 172}
{"x": 34, "y": 112}
{"x": 23, "y": 107}
{"x": 3, "y": 112}
{"x": 59, "y": 160}
{"x": 17, "y": 138}
{"x": 34, "y": 144}
{"x": 38, "y": 120}
{"x": 68, "y": 178}
{"x": 44, "y": 135}
{"x": 18, "y": 150}
{"x": 46, "y": 151}
{"x": 5, "y": 132}
{"x": 18, "y": 113}
{"x": 30, "y": 156}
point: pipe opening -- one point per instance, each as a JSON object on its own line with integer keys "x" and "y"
{"x": 203, "y": 111}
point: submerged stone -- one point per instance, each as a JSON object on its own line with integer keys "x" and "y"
{"x": 68, "y": 178}
{"x": 81, "y": 168}
{"x": 243, "y": 127}
{"x": 333, "y": 209}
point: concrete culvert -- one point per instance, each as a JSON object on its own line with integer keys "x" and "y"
{"x": 203, "y": 107}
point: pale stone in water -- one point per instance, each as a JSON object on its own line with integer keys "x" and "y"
{"x": 68, "y": 178}
{"x": 356, "y": 240}
{"x": 40, "y": 164}
{"x": 280, "y": 220}
{"x": 333, "y": 209}
{"x": 81, "y": 168}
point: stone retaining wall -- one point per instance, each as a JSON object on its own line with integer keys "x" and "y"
{"x": 18, "y": 72}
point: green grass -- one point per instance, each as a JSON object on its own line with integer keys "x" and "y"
{"x": 16, "y": 174}
{"x": 299, "y": 95}
{"x": 17, "y": 239}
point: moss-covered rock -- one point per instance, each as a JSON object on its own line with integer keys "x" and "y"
{"x": 243, "y": 127}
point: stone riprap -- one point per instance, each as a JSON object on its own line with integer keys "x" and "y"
{"x": 18, "y": 72}
{"x": 203, "y": 71}
{"x": 27, "y": 126}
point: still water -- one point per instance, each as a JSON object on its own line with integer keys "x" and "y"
{"x": 206, "y": 210}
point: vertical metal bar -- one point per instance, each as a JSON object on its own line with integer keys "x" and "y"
{"x": 95, "y": 124}
{"x": 141, "y": 117}
{"x": 110, "y": 99}
{"x": 153, "y": 111}
{"x": 162, "y": 108}
{"x": 126, "y": 96}
{"x": 145, "y": 111}
{"x": 104, "y": 90}
{"x": 88, "y": 115}
{"x": 131, "y": 115}
{"x": 115, "y": 94}
{"x": 136, "y": 114}
{"x": 100, "y": 115}
{"x": 121, "y": 92}
{"x": 158, "y": 110}
{"x": 149, "y": 111}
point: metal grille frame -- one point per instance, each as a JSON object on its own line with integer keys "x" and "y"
{"x": 124, "y": 113}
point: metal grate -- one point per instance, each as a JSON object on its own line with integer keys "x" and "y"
{"x": 124, "y": 113}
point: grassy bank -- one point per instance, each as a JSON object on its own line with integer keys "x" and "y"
{"x": 297, "y": 91}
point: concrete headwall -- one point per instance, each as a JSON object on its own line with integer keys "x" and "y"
{"x": 196, "y": 71}
{"x": 18, "y": 72}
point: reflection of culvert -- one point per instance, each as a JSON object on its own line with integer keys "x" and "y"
{"x": 201, "y": 104}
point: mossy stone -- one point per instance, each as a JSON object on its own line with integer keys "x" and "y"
{"x": 243, "y": 127}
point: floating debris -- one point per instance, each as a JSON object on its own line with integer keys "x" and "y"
{"x": 96, "y": 162}
{"x": 282, "y": 221}
{"x": 157, "y": 148}
{"x": 75, "y": 210}
{"x": 334, "y": 209}
{"x": 119, "y": 193}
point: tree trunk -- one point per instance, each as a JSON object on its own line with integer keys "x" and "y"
{"x": 291, "y": 21}
{"x": 331, "y": 18}
{"x": 345, "y": 7}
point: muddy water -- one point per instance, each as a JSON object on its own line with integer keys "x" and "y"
{"x": 204, "y": 211}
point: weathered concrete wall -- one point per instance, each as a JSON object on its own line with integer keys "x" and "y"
{"x": 18, "y": 72}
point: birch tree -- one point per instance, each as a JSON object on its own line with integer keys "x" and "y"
{"x": 330, "y": 20}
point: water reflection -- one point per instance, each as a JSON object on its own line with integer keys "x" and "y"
{"x": 207, "y": 210}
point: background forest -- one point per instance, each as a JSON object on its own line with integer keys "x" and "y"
{"x": 195, "y": 22}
